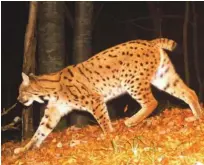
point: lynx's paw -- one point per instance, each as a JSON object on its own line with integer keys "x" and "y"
{"x": 19, "y": 150}
{"x": 128, "y": 123}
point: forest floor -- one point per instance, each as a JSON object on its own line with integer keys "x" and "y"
{"x": 174, "y": 137}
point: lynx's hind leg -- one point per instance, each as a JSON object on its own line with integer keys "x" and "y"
{"x": 140, "y": 90}
{"x": 47, "y": 124}
{"x": 168, "y": 80}
{"x": 148, "y": 105}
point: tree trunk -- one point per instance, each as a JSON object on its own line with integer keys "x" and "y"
{"x": 51, "y": 46}
{"x": 82, "y": 46}
{"x": 185, "y": 44}
{"x": 51, "y": 40}
{"x": 29, "y": 66}
{"x": 154, "y": 11}
{"x": 83, "y": 31}
{"x": 195, "y": 47}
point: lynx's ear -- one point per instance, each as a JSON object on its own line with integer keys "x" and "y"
{"x": 25, "y": 79}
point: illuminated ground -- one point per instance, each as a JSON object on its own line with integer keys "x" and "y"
{"x": 170, "y": 138}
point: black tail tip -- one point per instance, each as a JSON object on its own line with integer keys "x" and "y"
{"x": 178, "y": 49}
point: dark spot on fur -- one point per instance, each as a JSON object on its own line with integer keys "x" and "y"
{"x": 167, "y": 86}
{"x": 175, "y": 82}
{"x": 112, "y": 55}
{"x": 120, "y": 62}
{"x": 48, "y": 126}
{"x": 107, "y": 66}
{"x": 105, "y": 52}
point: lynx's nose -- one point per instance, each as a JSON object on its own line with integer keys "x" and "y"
{"x": 22, "y": 100}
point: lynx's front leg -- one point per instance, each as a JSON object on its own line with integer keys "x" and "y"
{"x": 47, "y": 124}
{"x": 100, "y": 113}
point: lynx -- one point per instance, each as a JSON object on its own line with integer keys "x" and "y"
{"x": 129, "y": 67}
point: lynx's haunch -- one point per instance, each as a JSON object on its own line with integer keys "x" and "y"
{"x": 126, "y": 68}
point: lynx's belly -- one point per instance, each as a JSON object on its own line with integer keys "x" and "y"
{"x": 112, "y": 93}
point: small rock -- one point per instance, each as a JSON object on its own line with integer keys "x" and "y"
{"x": 59, "y": 145}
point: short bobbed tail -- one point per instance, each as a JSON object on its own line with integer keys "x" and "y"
{"x": 165, "y": 43}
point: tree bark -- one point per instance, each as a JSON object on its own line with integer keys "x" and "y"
{"x": 29, "y": 66}
{"x": 83, "y": 31}
{"x": 154, "y": 11}
{"x": 51, "y": 46}
{"x": 195, "y": 47}
{"x": 51, "y": 39}
{"x": 82, "y": 46}
{"x": 185, "y": 44}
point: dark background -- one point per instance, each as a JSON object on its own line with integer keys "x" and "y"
{"x": 112, "y": 26}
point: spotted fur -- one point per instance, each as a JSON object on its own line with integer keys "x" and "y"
{"x": 126, "y": 68}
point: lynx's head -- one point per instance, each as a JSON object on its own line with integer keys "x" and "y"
{"x": 29, "y": 91}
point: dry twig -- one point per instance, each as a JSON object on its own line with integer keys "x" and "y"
{"x": 12, "y": 125}
{"x": 6, "y": 111}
